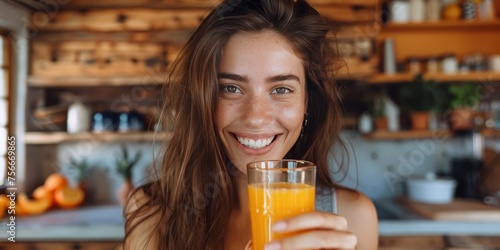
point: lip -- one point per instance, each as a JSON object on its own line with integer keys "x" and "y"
{"x": 251, "y": 151}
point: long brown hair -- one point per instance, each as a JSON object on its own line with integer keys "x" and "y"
{"x": 194, "y": 193}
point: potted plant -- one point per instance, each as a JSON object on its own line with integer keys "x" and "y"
{"x": 82, "y": 171}
{"x": 124, "y": 166}
{"x": 419, "y": 98}
{"x": 464, "y": 98}
{"x": 377, "y": 111}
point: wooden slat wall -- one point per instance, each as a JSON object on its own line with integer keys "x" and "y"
{"x": 79, "y": 4}
{"x": 99, "y": 58}
{"x": 86, "y": 39}
{"x": 149, "y": 19}
{"x": 138, "y": 19}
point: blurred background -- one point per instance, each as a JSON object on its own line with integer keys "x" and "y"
{"x": 80, "y": 99}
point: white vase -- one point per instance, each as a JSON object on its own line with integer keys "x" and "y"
{"x": 365, "y": 123}
{"x": 78, "y": 118}
{"x": 391, "y": 111}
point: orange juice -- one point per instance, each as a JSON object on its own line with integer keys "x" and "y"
{"x": 269, "y": 203}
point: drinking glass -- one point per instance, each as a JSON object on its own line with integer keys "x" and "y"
{"x": 277, "y": 190}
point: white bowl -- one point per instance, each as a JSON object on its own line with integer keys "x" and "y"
{"x": 431, "y": 190}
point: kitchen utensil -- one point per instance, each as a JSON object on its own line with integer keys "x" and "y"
{"x": 431, "y": 189}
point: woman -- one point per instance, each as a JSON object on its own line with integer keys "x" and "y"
{"x": 254, "y": 82}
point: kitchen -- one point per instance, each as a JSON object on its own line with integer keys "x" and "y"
{"x": 103, "y": 62}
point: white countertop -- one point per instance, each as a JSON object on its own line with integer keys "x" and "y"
{"x": 95, "y": 223}
{"x": 105, "y": 223}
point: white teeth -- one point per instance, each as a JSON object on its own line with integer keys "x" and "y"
{"x": 260, "y": 143}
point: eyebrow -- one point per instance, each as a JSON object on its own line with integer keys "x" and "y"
{"x": 277, "y": 78}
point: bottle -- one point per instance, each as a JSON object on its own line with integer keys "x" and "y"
{"x": 78, "y": 119}
{"x": 432, "y": 65}
{"x": 365, "y": 123}
{"x": 449, "y": 65}
{"x": 389, "y": 57}
{"x": 391, "y": 111}
{"x": 433, "y": 10}
{"x": 400, "y": 11}
{"x": 417, "y": 11}
{"x": 487, "y": 10}
{"x": 469, "y": 10}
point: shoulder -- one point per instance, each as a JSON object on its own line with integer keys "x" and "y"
{"x": 361, "y": 216}
{"x": 141, "y": 221}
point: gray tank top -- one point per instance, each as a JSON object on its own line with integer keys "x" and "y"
{"x": 326, "y": 199}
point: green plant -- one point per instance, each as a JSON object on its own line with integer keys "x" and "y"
{"x": 125, "y": 163}
{"x": 422, "y": 95}
{"x": 81, "y": 167}
{"x": 377, "y": 106}
{"x": 464, "y": 95}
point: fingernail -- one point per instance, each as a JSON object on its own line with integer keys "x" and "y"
{"x": 280, "y": 226}
{"x": 273, "y": 246}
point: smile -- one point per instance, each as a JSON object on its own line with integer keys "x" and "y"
{"x": 255, "y": 144}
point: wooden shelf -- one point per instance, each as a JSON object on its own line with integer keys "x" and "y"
{"x": 421, "y": 134}
{"x": 407, "y": 135}
{"x": 410, "y": 27}
{"x": 39, "y": 138}
{"x": 491, "y": 133}
{"x": 92, "y": 81}
{"x": 483, "y": 77}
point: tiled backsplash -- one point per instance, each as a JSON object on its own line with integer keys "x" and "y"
{"x": 377, "y": 168}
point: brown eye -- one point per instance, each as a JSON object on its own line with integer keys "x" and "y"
{"x": 281, "y": 91}
{"x": 230, "y": 89}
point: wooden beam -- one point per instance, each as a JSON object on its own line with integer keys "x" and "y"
{"x": 100, "y": 59}
{"x": 175, "y": 37}
{"x": 157, "y": 4}
{"x": 179, "y": 4}
{"x": 367, "y": 3}
{"x": 347, "y": 14}
{"x": 113, "y": 20}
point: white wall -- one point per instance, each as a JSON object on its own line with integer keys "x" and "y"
{"x": 15, "y": 19}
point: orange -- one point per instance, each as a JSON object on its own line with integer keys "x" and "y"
{"x": 55, "y": 181}
{"x": 42, "y": 192}
{"x": 452, "y": 12}
{"x": 4, "y": 204}
{"x": 28, "y": 206}
{"x": 69, "y": 197}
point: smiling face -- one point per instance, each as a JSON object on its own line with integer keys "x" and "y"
{"x": 262, "y": 98}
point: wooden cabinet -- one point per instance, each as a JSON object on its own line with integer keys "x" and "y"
{"x": 434, "y": 242}
{"x": 411, "y": 242}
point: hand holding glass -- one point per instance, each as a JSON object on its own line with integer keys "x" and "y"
{"x": 278, "y": 190}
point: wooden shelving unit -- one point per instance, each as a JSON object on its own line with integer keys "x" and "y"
{"x": 44, "y": 138}
{"x": 481, "y": 77}
{"x": 90, "y": 81}
{"x": 407, "y": 135}
{"x": 412, "y": 27}
{"x": 421, "y": 134}
{"x": 491, "y": 133}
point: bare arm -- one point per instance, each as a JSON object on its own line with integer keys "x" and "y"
{"x": 140, "y": 236}
{"x": 361, "y": 216}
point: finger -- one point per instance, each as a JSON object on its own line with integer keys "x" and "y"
{"x": 319, "y": 239}
{"x": 313, "y": 220}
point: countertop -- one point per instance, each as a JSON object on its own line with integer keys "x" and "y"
{"x": 105, "y": 223}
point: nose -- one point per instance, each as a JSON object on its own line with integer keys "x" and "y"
{"x": 256, "y": 111}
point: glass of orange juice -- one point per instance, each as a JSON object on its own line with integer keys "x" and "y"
{"x": 277, "y": 190}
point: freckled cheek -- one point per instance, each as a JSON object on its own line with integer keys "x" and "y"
{"x": 223, "y": 115}
{"x": 291, "y": 117}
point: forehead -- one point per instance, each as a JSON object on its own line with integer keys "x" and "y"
{"x": 264, "y": 50}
